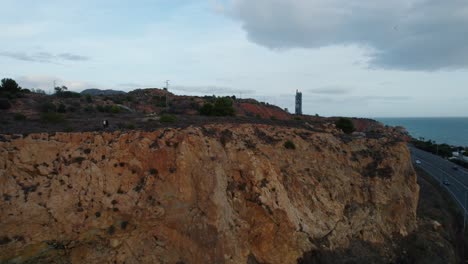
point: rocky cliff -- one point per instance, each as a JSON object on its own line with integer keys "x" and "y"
{"x": 213, "y": 194}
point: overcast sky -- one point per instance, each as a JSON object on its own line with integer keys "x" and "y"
{"x": 369, "y": 58}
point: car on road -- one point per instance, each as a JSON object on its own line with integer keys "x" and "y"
{"x": 446, "y": 182}
{"x": 418, "y": 162}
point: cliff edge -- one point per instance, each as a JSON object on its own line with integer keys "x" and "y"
{"x": 211, "y": 194}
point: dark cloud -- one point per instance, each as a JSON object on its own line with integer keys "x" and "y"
{"x": 43, "y": 57}
{"x": 401, "y": 34}
{"x": 212, "y": 90}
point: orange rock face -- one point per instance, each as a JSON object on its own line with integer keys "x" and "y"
{"x": 216, "y": 194}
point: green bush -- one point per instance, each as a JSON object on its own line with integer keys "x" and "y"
{"x": 222, "y": 106}
{"x": 115, "y": 109}
{"x": 19, "y": 117}
{"x": 289, "y": 145}
{"x": 345, "y": 124}
{"x": 167, "y": 119}
{"x": 52, "y": 117}
{"x": 206, "y": 109}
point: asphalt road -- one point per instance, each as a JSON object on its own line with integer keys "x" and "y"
{"x": 456, "y": 181}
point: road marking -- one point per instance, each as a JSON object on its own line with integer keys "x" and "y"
{"x": 460, "y": 168}
{"x": 444, "y": 172}
{"x": 450, "y": 191}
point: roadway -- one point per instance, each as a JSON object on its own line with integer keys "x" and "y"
{"x": 455, "y": 181}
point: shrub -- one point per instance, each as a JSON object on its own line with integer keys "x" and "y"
{"x": 289, "y": 145}
{"x": 88, "y": 98}
{"x": 109, "y": 109}
{"x": 61, "y": 108}
{"x": 4, "y": 104}
{"x": 68, "y": 94}
{"x": 52, "y": 117}
{"x": 115, "y": 109}
{"x": 206, "y": 109}
{"x": 117, "y": 100}
{"x": 48, "y": 107}
{"x": 19, "y": 117}
{"x": 345, "y": 124}
{"x": 167, "y": 118}
{"x": 222, "y": 106}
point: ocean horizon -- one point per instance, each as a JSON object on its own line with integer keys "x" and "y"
{"x": 449, "y": 130}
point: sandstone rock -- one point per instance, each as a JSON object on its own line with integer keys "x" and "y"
{"x": 188, "y": 195}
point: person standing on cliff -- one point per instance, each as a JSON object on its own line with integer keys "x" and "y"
{"x": 105, "y": 123}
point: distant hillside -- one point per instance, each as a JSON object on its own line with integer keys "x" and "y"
{"x": 102, "y": 92}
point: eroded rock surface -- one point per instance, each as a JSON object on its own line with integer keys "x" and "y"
{"x": 214, "y": 194}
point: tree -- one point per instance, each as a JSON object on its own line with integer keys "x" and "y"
{"x": 59, "y": 90}
{"x": 10, "y": 85}
{"x": 345, "y": 124}
{"x": 223, "y": 107}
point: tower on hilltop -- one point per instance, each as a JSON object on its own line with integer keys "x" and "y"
{"x": 298, "y": 103}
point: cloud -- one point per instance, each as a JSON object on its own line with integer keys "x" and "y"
{"x": 43, "y": 57}
{"x": 336, "y": 90}
{"x": 72, "y": 57}
{"x": 382, "y": 98}
{"x": 133, "y": 85}
{"x": 422, "y": 35}
{"x": 46, "y": 83}
{"x": 212, "y": 90}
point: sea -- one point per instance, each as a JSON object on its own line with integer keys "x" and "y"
{"x": 449, "y": 130}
